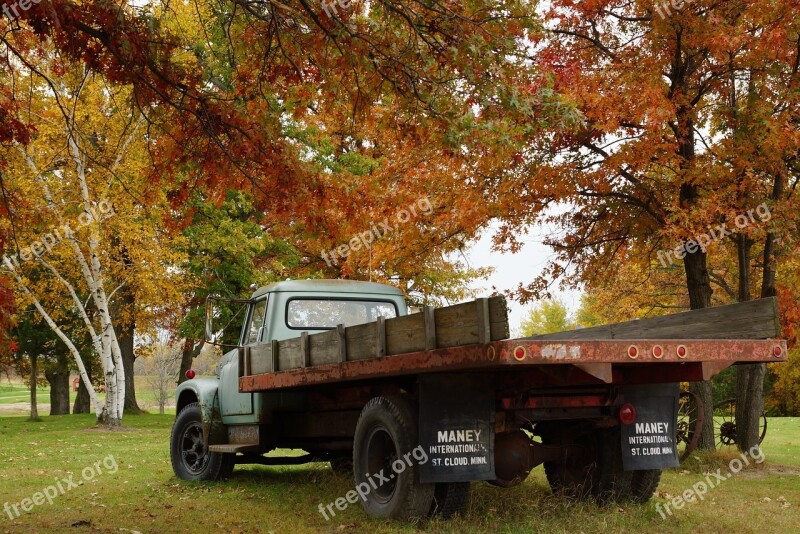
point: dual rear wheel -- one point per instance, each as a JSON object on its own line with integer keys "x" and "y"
{"x": 595, "y": 471}
{"x": 386, "y": 463}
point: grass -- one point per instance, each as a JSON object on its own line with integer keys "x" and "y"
{"x": 12, "y": 393}
{"x": 144, "y": 496}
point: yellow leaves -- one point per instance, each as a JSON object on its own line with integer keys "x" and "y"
{"x": 86, "y": 180}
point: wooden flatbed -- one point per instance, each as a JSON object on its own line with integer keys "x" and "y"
{"x": 469, "y": 337}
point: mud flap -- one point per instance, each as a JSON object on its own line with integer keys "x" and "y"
{"x": 456, "y": 428}
{"x": 649, "y": 442}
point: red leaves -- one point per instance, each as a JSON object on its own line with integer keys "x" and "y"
{"x": 12, "y": 129}
{"x": 7, "y": 345}
{"x": 789, "y": 305}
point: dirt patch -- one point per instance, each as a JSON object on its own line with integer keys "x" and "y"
{"x": 104, "y": 428}
{"x": 782, "y": 469}
{"x": 22, "y": 408}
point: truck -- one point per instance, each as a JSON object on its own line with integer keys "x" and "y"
{"x": 419, "y": 406}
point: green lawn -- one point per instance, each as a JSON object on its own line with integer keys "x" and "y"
{"x": 11, "y": 393}
{"x": 143, "y": 495}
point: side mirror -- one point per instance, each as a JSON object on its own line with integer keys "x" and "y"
{"x": 221, "y": 313}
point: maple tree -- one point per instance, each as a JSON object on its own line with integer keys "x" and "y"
{"x": 675, "y": 110}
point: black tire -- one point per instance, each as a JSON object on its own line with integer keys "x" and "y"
{"x": 573, "y": 475}
{"x": 450, "y": 499}
{"x": 596, "y": 473}
{"x": 188, "y": 452}
{"x": 386, "y": 432}
{"x": 644, "y": 485}
{"x": 611, "y": 483}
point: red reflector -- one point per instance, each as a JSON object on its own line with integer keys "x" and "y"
{"x": 657, "y": 351}
{"x": 190, "y": 374}
{"x": 776, "y": 351}
{"x": 519, "y": 353}
{"x": 627, "y": 414}
{"x": 633, "y": 352}
{"x": 682, "y": 351}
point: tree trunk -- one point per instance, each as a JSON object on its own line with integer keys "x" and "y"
{"x": 34, "y": 376}
{"x": 128, "y": 359}
{"x": 749, "y": 378}
{"x": 83, "y": 401}
{"x": 59, "y": 391}
{"x": 749, "y": 404}
{"x": 698, "y": 284}
{"x": 122, "y": 310}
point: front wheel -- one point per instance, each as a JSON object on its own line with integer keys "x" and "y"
{"x": 385, "y": 464}
{"x": 189, "y": 453}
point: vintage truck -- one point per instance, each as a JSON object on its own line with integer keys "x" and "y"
{"x": 418, "y": 406}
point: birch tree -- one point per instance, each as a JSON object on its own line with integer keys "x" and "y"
{"x": 86, "y": 159}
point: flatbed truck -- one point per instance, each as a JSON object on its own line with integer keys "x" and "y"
{"x": 417, "y": 407}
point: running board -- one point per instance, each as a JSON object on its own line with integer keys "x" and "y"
{"x": 233, "y": 448}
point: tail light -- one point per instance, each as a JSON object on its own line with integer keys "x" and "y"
{"x": 627, "y": 414}
{"x": 190, "y": 374}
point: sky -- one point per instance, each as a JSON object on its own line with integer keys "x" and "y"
{"x": 513, "y": 269}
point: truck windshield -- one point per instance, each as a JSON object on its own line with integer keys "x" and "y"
{"x": 257, "y": 321}
{"x": 322, "y": 314}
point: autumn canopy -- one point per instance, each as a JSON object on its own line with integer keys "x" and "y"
{"x": 240, "y": 140}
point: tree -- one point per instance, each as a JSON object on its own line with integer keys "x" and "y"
{"x": 41, "y": 349}
{"x": 227, "y": 254}
{"x": 546, "y": 317}
{"x": 162, "y": 362}
{"x": 642, "y": 176}
{"x": 83, "y": 236}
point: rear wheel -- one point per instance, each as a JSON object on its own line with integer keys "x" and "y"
{"x": 596, "y": 471}
{"x": 644, "y": 484}
{"x": 612, "y": 483}
{"x": 189, "y": 453}
{"x": 450, "y": 499}
{"x": 386, "y": 435}
{"x": 572, "y": 475}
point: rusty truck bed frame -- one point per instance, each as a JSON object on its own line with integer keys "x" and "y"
{"x": 563, "y": 362}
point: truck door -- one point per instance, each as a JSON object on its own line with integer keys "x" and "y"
{"x": 231, "y": 401}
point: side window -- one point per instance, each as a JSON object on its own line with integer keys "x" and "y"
{"x": 256, "y": 321}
